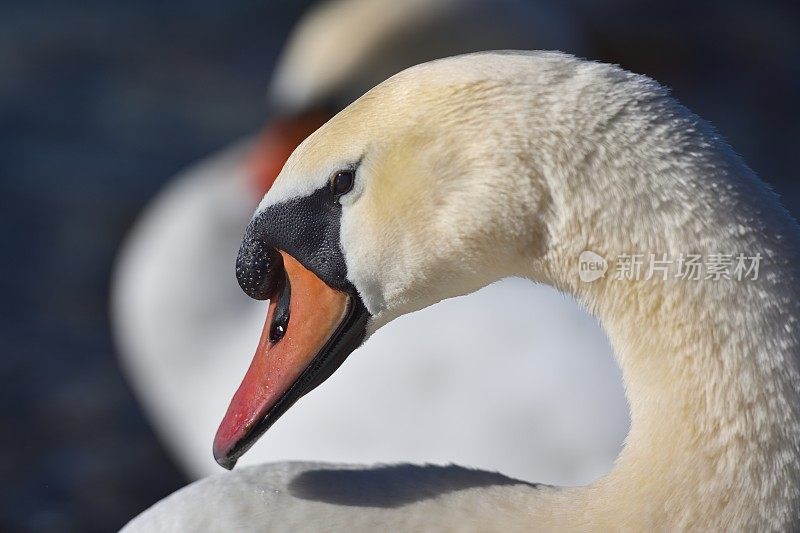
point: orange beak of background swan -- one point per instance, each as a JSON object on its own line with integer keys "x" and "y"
{"x": 276, "y": 143}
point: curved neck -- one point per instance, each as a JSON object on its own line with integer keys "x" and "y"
{"x": 712, "y": 382}
{"x": 710, "y": 365}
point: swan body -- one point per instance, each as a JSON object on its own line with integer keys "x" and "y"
{"x": 185, "y": 331}
{"x": 515, "y": 163}
{"x": 299, "y": 496}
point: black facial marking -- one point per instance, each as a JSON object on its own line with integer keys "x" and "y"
{"x": 307, "y": 228}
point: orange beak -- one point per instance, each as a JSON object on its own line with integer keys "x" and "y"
{"x": 310, "y": 330}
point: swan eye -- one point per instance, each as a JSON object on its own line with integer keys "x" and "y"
{"x": 342, "y": 182}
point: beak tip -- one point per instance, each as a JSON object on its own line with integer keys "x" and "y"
{"x": 225, "y": 460}
{"x": 224, "y": 455}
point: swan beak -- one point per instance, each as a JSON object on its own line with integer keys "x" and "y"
{"x": 310, "y": 330}
{"x": 276, "y": 143}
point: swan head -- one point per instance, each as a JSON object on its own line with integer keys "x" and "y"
{"x": 388, "y": 208}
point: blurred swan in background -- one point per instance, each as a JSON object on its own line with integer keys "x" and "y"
{"x": 185, "y": 331}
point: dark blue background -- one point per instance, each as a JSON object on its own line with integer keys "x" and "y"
{"x": 101, "y": 102}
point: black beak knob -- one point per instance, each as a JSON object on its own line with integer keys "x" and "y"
{"x": 259, "y": 269}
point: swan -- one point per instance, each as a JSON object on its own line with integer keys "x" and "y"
{"x": 461, "y": 171}
{"x": 185, "y": 331}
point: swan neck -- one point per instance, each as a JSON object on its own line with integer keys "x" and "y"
{"x": 710, "y": 365}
